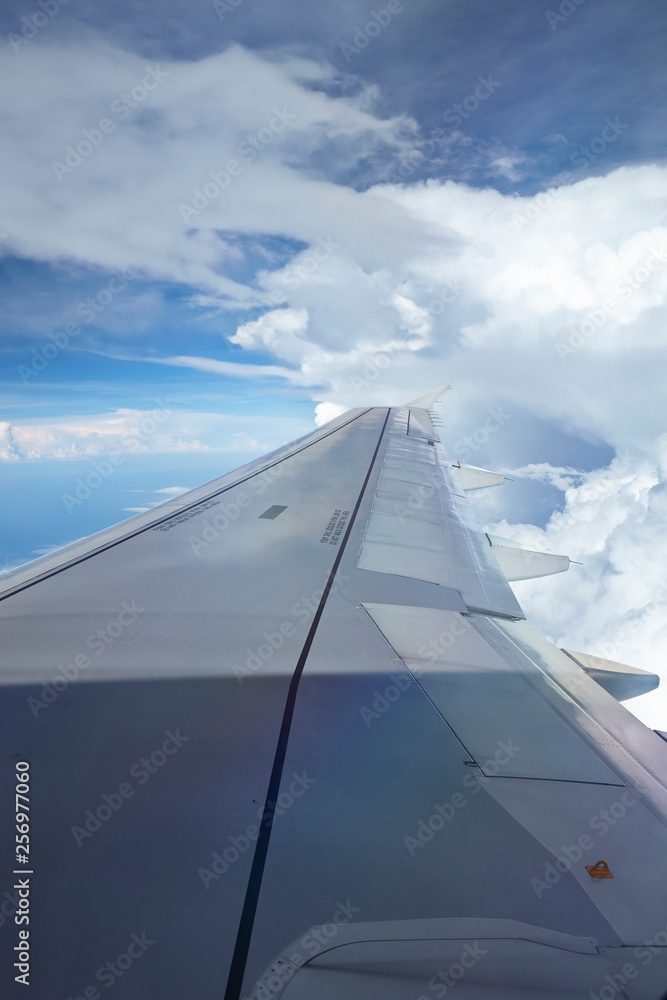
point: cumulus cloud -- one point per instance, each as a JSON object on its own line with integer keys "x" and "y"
{"x": 614, "y": 521}
{"x": 324, "y": 412}
{"x": 440, "y": 262}
{"x": 551, "y": 303}
{"x": 8, "y": 449}
{"x": 400, "y": 286}
{"x": 279, "y": 331}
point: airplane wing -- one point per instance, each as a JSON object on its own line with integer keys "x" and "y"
{"x": 290, "y": 736}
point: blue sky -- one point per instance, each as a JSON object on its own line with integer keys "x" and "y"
{"x": 245, "y": 217}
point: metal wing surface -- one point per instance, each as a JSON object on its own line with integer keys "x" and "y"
{"x": 290, "y": 736}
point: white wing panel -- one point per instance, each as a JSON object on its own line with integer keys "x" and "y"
{"x": 491, "y": 707}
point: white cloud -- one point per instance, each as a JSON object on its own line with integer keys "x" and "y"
{"x": 112, "y": 204}
{"x": 8, "y": 448}
{"x": 614, "y": 521}
{"x": 171, "y": 491}
{"x": 324, "y": 412}
{"x": 561, "y": 478}
{"x": 438, "y": 275}
{"x": 128, "y": 432}
{"x": 400, "y": 287}
{"x": 231, "y": 368}
{"x": 278, "y": 331}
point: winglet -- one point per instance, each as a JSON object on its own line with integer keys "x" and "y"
{"x": 426, "y": 401}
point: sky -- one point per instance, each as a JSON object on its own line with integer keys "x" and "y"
{"x": 223, "y": 223}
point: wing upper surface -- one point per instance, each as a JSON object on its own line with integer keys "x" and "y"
{"x": 294, "y": 732}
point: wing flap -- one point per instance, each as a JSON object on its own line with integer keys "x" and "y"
{"x": 421, "y": 526}
{"x": 502, "y": 721}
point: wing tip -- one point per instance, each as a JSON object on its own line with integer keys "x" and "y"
{"x": 426, "y": 401}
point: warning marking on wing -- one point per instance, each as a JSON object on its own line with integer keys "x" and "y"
{"x": 335, "y": 527}
{"x": 185, "y": 515}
